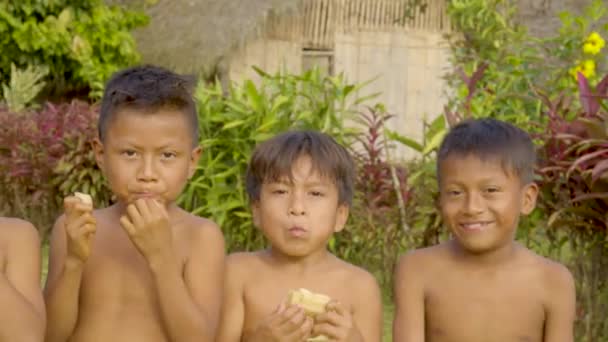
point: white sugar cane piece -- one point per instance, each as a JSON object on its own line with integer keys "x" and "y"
{"x": 84, "y": 198}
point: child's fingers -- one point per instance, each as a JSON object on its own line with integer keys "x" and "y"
{"x": 126, "y": 224}
{"x": 337, "y": 307}
{"x": 73, "y": 228}
{"x": 331, "y": 317}
{"x": 134, "y": 216}
{"x": 331, "y": 331}
{"x": 293, "y": 318}
{"x": 303, "y": 332}
{"x": 89, "y": 230}
{"x": 143, "y": 207}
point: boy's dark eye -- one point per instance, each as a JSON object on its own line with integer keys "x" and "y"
{"x": 316, "y": 193}
{"x": 279, "y": 191}
{"x": 129, "y": 153}
{"x": 492, "y": 190}
{"x": 169, "y": 155}
{"x": 454, "y": 192}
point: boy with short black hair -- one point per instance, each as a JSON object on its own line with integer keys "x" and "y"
{"x": 300, "y": 185}
{"x": 481, "y": 285}
{"x": 142, "y": 269}
{"x": 22, "y": 316}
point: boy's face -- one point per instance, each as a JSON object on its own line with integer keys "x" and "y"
{"x": 299, "y": 218}
{"x": 147, "y": 155}
{"x": 481, "y": 202}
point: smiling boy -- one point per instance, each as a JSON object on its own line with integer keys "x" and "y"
{"x": 300, "y": 185}
{"x": 142, "y": 269}
{"x": 481, "y": 285}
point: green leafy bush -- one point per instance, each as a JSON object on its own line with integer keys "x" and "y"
{"x": 81, "y": 42}
{"x": 232, "y": 125}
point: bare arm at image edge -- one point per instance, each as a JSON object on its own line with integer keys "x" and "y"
{"x": 22, "y": 314}
{"x": 233, "y": 307}
{"x": 62, "y": 288}
{"x": 561, "y": 306}
{"x": 368, "y": 313}
{"x": 408, "y": 323}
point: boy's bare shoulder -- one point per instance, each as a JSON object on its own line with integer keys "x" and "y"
{"x": 245, "y": 261}
{"x": 550, "y": 272}
{"x": 200, "y": 227}
{"x": 15, "y": 229}
{"x": 356, "y": 276}
{"x": 423, "y": 259}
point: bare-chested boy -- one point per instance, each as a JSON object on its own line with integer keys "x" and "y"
{"x": 481, "y": 285}
{"x": 142, "y": 269}
{"x": 300, "y": 185}
{"x": 22, "y": 316}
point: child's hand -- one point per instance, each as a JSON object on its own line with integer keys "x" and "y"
{"x": 80, "y": 227}
{"x": 147, "y": 224}
{"x": 285, "y": 324}
{"x": 337, "y": 324}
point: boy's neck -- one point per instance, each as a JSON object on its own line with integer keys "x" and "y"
{"x": 300, "y": 263}
{"x": 496, "y": 257}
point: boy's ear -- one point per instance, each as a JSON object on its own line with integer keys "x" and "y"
{"x": 341, "y": 217}
{"x": 195, "y": 155}
{"x": 98, "y": 149}
{"x": 530, "y": 193}
{"x": 255, "y": 213}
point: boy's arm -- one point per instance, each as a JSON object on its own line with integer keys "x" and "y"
{"x": 62, "y": 287}
{"x": 233, "y": 307}
{"x": 561, "y": 305}
{"x": 367, "y": 314}
{"x": 408, "y": 323}
{"x": 22, "y": 314}
{"x": 190, "y": 302}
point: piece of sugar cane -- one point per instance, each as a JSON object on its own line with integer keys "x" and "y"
{"x": 84, "y": 198}
{"x": 312, "y": 303}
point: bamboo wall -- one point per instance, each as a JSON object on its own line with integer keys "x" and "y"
{"x": 319, "y": 20}
{"x": 406, "y": 69}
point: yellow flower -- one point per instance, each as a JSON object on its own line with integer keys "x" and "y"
{"x": 587, "y": 68}
{"x": 593, "y": 44}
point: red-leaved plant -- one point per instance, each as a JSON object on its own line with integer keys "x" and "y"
{"x": 32, "y": 145}
{"x": 574, "y": 188}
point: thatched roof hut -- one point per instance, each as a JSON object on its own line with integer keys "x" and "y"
{"x": 195, "y": 36}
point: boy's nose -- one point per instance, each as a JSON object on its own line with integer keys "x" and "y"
{"x": 474, "y": 203}
{"x": 147, "y": 171}
{"x": 296, "y": 206}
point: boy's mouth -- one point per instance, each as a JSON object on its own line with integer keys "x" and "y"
{"x": 297, "y": 231}
{"x": 474, "y": 226}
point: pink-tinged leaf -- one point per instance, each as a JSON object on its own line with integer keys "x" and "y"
{"x": 584, "y": 159}
{"x": 588, "y": 100}
{"x": 585, "y": 197}
{"x": 452, "y": 118}
{"x": 599, "y": 169}
{"x": 602, "y": 87}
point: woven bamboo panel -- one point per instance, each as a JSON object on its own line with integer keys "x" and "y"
{"x": 318, "y": 21}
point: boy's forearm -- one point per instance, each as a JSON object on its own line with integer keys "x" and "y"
{"x": 183, "y": 319}
{"x": 61, "y": 299}
{"x": 20, "y": 320}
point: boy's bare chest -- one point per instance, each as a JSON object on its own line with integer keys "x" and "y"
{"x": 484, "y": 309}
{"x": 117, "y": 273}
